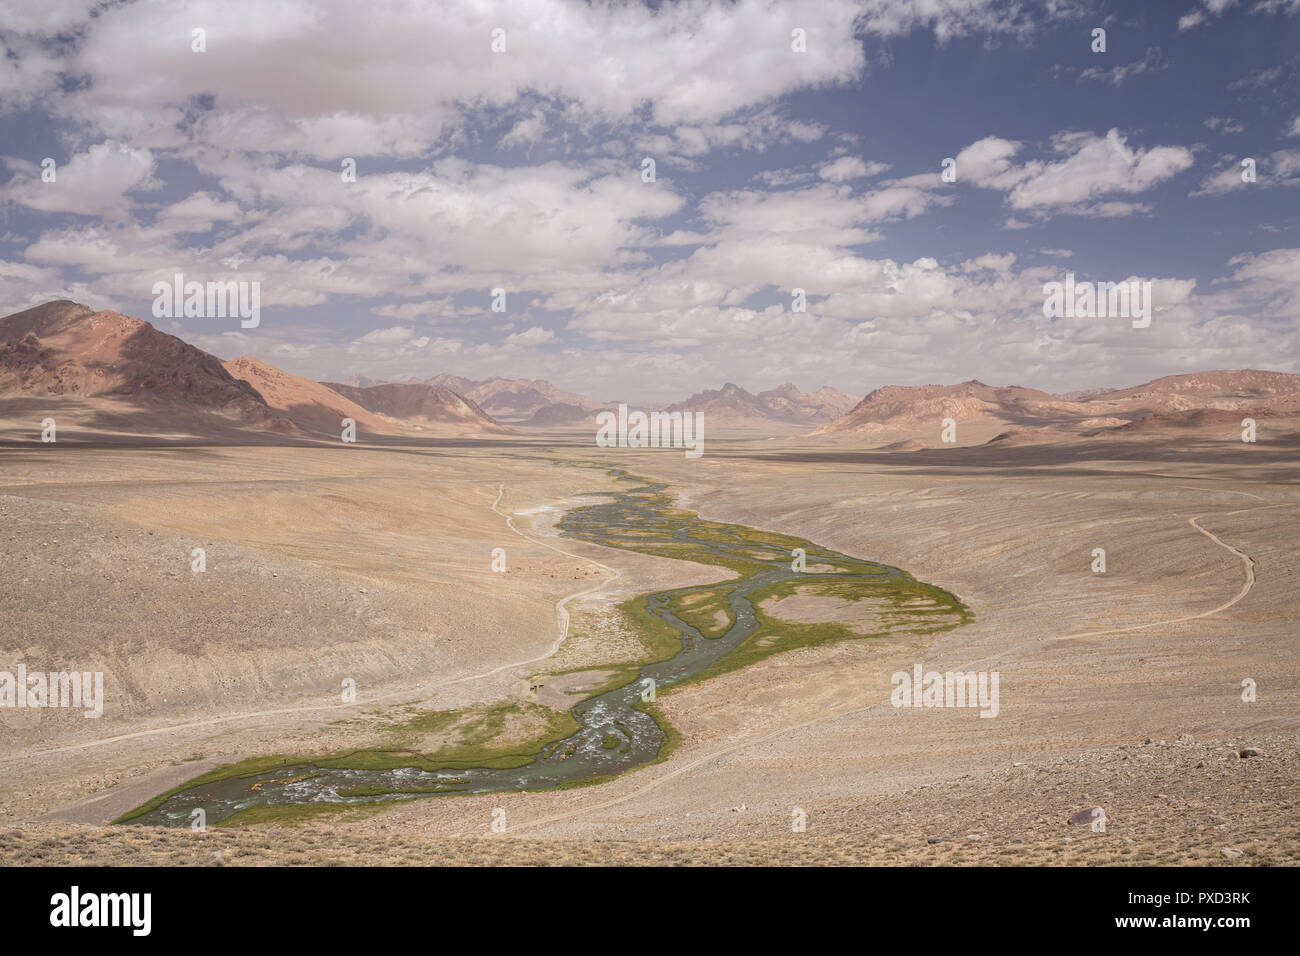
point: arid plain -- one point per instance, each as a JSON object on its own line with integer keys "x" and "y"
{"x": 374, "y": 562}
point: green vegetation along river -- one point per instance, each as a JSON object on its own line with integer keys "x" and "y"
{"x": 690, "y": 633}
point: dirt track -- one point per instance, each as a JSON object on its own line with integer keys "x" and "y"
{"x": 1091, "y": 664}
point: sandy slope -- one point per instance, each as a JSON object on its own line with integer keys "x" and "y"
{"x": 310, "y": 403}
{"x": 1091, "y": 665}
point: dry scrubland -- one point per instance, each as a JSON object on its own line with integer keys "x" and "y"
{"x": 373, "y": 563}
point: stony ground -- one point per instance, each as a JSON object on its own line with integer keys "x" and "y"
{"x": 1166, "y": 802}
{"x": 1091, "y": 665}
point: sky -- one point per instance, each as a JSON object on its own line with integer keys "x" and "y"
{"x": 795, "y": 145}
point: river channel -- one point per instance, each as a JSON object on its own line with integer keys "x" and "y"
{"x": 617, "y": 732}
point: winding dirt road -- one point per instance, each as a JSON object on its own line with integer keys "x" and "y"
{"x": 834, "y": 713}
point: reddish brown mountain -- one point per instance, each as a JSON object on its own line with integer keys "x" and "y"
{"x": 733, "y": 405}
{"x": 1014, "y": 415}
{"x": 787, "y": 403}
{"x": 104, "y": 372}
{"x": 311, "y": 404}
{"x": 65, "y": 350}
{"x": 904, "y": 406}
{"x": 427, "y": 406}
{"x": 1226, "y": 389}
{"x": 511, "y": 398}
{"x": 560, "y": 414}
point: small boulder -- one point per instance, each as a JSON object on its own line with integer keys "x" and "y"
{"x": 1088, "y": 815}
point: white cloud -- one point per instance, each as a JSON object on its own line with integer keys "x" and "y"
{"x": 664, "y": 287}
{"x": 533, "y": 337}
{"x": 1208, "y": 8}
{"x": 1215, "y": 8}
{"x": 784, "y": 177}
{"x": 1274, "y": 274}
{"x": 1093, "y": 168}
{"x": 527, "y": 131}
{"x": 397, "y": 78}
{"x": 1279, "y": 168}
{"x": 1259, "y": 78}
{"x": 951, "y": 18}
{"x": 198, "y": 213}
{"x": 988, "y": 163}
{"x": 91, "y": 183}
{"x": 1223, "y": 125}
{"x": 1000, "y": 264}
{"x": 1152, "y": 62}
{"x": 1225, "y": 178}
{"x": 390, "y": 336}
{"x": 847, "y": 168}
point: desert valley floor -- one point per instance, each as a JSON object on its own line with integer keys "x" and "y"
{"x": 373, "y": 562}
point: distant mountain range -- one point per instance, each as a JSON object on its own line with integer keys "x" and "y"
{"x": 732, "y": 405}
{"x": 422, "y": 405}
{"x": 536, "y": 403}
{"x": 512, "y": 399}
{"x": 108, "y": 367}
{"x": 109, "y": 372}
{"x": 910, "y": 417}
